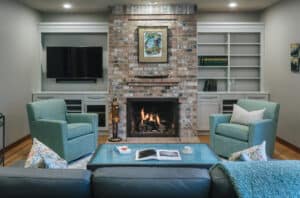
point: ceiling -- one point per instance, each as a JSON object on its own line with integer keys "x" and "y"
{"x": 86, "y": 6}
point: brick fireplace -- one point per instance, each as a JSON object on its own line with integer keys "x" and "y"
{"x": 131, "y": 80}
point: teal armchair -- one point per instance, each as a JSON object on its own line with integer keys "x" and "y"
{"x": 70, "y": 135}
{"x": 227, "y": 138}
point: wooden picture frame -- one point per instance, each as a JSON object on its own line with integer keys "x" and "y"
{"x": 153, "y": 44}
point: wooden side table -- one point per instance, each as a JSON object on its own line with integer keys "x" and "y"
{"x": 2, "y": 125}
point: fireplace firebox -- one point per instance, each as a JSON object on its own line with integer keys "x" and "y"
{"x": 152, "y": 117}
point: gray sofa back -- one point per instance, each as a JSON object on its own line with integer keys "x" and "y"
{"x": 149, "y": 182}
{"x": 45, "y": 183}
{"x": 220, "y": 184}
{"x": 115, "y": 182}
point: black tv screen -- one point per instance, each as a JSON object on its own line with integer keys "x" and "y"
{"x": 74, "y": 62}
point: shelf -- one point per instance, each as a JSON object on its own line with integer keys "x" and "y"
{"x": 213, "y": 55}
{"x": 227, "y": 105}
{"x": 245, "y": 55}
{"x": 244, "y": 67}
{"x": 73, "y": 111}
{"x": 212, "y": 43}
{"x": 73, "y": 105}
{"x": 231, "y": 92}
{"x": 244, "y": 78}
{"x": 233, "y": 67}
{"x": 212, "y": 67}
{"x": 212, "y": 78}
{"x": 244, "y": 43}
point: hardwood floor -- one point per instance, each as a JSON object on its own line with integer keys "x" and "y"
{"x": 21, "y": 150}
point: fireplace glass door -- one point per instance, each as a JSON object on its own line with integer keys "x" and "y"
{"x": 152, "y": 117}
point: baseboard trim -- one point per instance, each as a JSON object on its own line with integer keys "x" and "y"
{"x": 15, "y": 143}
{"x": 289, "y": 145}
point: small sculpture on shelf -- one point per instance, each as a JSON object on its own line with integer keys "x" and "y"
{"x": 115, "y": 120}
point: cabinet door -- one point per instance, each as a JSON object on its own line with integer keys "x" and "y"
{"x": 205, "y": 109}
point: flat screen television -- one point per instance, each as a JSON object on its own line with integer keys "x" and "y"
{"x": 74, "y": 63}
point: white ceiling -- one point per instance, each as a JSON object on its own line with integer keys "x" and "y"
{"x": 103, "y": 5}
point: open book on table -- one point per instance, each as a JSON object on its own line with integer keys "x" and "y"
{"x": 150, "y": 154}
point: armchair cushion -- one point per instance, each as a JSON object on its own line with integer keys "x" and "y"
{"x": 78, "y": 129}
{"x": 235, "y": 131}
{"x": 91, "y": 118}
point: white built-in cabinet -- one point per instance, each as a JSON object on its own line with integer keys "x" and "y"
{"x": 80, "y": 101}
{"x": 207, "y": 105}
{"x": 230, "y": 56}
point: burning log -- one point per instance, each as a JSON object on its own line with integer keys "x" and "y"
{"x": 150, "y": 122}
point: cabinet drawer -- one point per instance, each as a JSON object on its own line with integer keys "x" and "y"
{"x": 43, "y": 97}
{"x": 96, "y": 98}
{"x": 257, "y": 97}
{"x": 210, "y": 97}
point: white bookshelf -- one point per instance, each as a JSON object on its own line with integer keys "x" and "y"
{"x": 241, "y": 45}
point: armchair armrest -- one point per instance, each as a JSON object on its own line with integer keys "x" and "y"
{"x": 53, "y": 133}
{"x": 91, "y": 118}
{"x": 216, "y": 119}
{"x": 263, "y": 130}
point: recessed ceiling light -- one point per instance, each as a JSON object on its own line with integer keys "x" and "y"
{"x": 232, "y": 5}
{"x": 67, "y": 5}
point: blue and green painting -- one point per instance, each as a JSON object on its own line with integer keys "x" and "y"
{"x": 152, "y": 44}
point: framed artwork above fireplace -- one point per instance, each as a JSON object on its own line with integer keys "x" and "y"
{"x": 153, "y": 44}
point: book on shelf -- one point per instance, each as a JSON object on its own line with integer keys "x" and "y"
{"x": 153, "y": 154}
{"x": 213, "y": 60}
{"x": 210, "y": 85}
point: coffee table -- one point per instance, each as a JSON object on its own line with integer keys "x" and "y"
{"x": 106, "y": 155}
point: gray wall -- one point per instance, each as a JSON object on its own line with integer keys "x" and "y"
{"x": 228, "y": 17}
{"x": 19, "y": 65}
{"x": 282, "y": 29}
{"x": 74, "y": 40}
{"x": 69, "y": 17}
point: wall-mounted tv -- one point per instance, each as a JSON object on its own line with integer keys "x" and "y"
{"x": 74, "y": 63}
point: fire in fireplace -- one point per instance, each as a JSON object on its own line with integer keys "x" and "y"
{"x": 150, "y": 122}
{"x": 152, "y": 117}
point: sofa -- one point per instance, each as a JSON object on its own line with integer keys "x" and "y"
{"x": 70, "y": 135}
{"x": 117, "y": 182}
{"x": 271, "y": 179}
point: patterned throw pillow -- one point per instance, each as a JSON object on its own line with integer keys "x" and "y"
{"x": 41, "y": 156}
{"x": 255, "y": 153}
